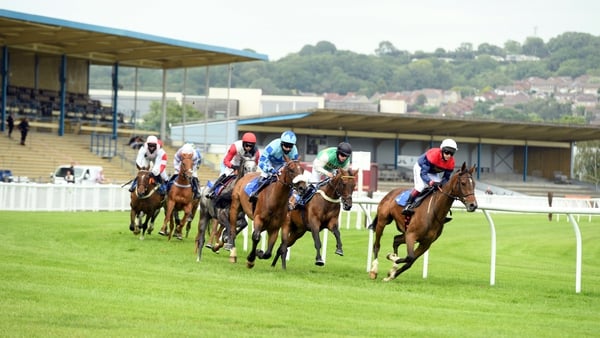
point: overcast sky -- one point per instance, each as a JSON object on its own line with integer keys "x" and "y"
{"x": 278, "y": 27}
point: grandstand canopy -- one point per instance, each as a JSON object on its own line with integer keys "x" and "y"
{"x": 423, "y": 127}
{"x": 103, "y": 45}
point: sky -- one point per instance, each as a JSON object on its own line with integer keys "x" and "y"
{"x": 278, "y": 27}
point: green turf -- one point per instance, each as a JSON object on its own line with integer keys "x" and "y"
{"x": 84, "y": 274}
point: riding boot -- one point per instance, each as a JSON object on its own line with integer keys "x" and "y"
{"x": 211, "y": 190}
{"x": 304, "y": 198}
{"x": 162, "y": 189}
{"x": 263, "y": 182}
{"x": 133, "y": 185}
{"x": 408, "y": 209}
{"x": 195, "y": 187}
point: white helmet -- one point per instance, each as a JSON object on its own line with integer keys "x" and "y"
{"x": 449, "y": 143}
{"x": 187, "y": 149}
{"x": 152, "y": 139}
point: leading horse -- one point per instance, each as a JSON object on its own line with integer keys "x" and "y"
{"x": 321, "y": 212}
{"x": 427, "y": 223}
{"x": 145, "y": 201}
{"x": 270, "y": 211}
{"x": 180, "y": 198}
{"x": 217, "y": 210}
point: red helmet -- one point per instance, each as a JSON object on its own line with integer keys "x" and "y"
{"x": 249, "y": 137}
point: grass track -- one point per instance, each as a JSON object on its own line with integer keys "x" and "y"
{"x": 85, "y": 275}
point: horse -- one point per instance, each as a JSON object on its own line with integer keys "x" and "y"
{"x": 145, "y": 201}
{"x": 217, "y": 210}
{"x": 180, "y": 198}
{"x": 321, "y": 212}
{"x": 269, "y": 212}
{"x": 427, "y": 223}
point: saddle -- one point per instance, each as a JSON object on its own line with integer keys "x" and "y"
{"x": 403, "y": 197}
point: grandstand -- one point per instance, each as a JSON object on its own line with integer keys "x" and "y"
{"x": 44, "y": 151}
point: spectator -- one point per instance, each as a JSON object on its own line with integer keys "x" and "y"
{"x": 24, "y": 128}
{"x": 10, "y": 122}
{"x": 100, "y": 179}
{"x": 69, "y": 177}
{"x": 489, "y": 191}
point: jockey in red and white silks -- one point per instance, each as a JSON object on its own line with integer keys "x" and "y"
{"x": 153, "y": 154}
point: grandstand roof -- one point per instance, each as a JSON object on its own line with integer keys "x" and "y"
{"x": 422, "y": 127}
{"x": 103, "y": 45}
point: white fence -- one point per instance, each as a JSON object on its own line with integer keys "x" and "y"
{"x": 63, "y": 197}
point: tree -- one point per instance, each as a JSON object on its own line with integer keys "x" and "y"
{"x": 535, "y": 46}
{"x": 587, "y": 162}
{"x": 174, "y": 115}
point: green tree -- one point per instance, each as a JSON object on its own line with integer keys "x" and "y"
{"x": 587, "y": 162}
{"x": 152, "y": 119}
{"x": 535, "y": 46}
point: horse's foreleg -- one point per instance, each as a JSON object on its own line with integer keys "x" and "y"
{"x": 408, "y": 260}
{"x": 132, "y": 219}
{"x": 270, "y": 244}
{"x": 201, "y": 236}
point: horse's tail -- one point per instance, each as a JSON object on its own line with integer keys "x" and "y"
{"x": 372, "y": 225}
{"x": 224, "y": 199}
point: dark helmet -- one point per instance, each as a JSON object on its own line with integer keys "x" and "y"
{"x": 344, "y": 148}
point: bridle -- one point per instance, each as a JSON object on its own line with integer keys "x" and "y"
{"x": 288, "y": 173}
{"x": 142, "y": 183}
{"x": 457, "y": 186}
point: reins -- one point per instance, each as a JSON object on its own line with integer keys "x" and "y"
{"x": 457, "y": 197}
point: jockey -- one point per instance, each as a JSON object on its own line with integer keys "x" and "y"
{"x": 433, "y": 168}
{"x": 188, "y": 148}
{"x": 324, "y": 165}
{"x": 244, "y": 148}
{"x": 151, "y": 153}
{"x": 272, "y": 159}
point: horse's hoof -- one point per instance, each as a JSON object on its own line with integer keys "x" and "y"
{"x": 319, "y": 262}
{"x": 131, "y": 227}
{"x": 162, "y": 233}
{"x": 372, "y": 275}
{"x": 339, "y": 252}
{"x": 209, "y": 246}
{"x": 227, "y": 246}
{"x": 249, "y": 265}
{"x": 232, "y": 259}
{"x": 136, "y": 232}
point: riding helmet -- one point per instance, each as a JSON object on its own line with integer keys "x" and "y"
{"x": 249, "y": 138}
{"x": 344, "y": 148}
{"x": 449, "y": 143}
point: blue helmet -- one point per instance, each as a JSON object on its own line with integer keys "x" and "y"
{"x": 288, "y": 136}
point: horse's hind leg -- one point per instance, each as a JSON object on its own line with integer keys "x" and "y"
{"x": 317, "y": 241}
{"x": 338, "y": 239}
{"x": 271, "y": 243}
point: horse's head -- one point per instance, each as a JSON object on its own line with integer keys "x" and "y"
{"x": 290, "y": 171}
{"x": 462, "y": 187}
{"x": 187, "y": 166}
{"x": 248, "y": 166}
{"x": 145, "y": 183}
{"x": 343, "y": 184}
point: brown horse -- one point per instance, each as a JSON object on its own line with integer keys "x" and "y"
{"x": 180, "y": 198}
{"x": 270, "y": 212}
{"x": 321, "y": 212}
{"x": 426, "y": 225}
{"x": 217, "y": 210}
{"x": 145, "y": 201}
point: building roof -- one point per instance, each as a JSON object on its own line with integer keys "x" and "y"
{"x": 421, "y": 127}
{"x": 103, "y": 45}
